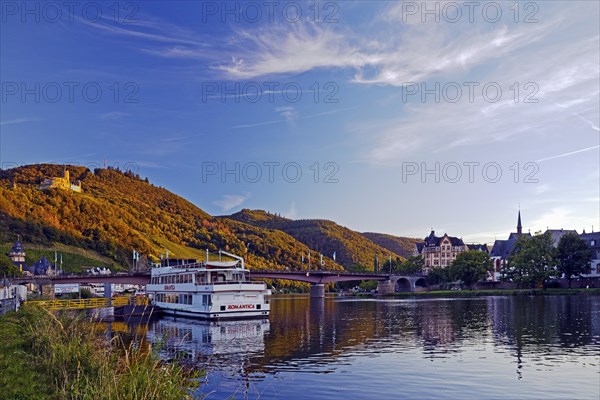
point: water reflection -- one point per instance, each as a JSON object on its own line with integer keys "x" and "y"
{"x": 199, "y": 341}
{"x": 486, "y": 343}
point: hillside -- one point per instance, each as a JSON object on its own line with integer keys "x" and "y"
{"x": 352, "y": 248}
{"x": 397, "y": 244}
{"x": 118, "y": 212}
{"x": 74, "y": 259}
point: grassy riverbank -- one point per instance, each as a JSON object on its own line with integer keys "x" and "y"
{"x": 483, "y": 293}
{"x": 47, "y": 357}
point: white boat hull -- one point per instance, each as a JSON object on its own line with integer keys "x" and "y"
{"x": 216, "y": 315}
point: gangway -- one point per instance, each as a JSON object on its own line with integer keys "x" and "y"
{"x": 96, "y": 302}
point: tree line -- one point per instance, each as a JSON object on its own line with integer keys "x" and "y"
{"x": 533, "y": 262}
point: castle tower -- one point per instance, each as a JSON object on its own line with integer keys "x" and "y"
{"x": 17, "y": 254}
{"x": 519, "y": 227}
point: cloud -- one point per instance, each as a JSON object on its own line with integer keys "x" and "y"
{"x": 289, "y": 113}
{"x": 295, "y": 117}
{"x": 291, "y": 48}
{"x": 292, "y": 212}
{"x": 230, "y": 201}
{"x": 394, "y": 54}
{"x": 570, "y": 153}
{"x": 113, "y": 115}
{"x": 17, "y": 121}
{"x": 555, "y": 74}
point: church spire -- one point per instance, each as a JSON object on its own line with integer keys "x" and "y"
{"x": 519, "y": 227}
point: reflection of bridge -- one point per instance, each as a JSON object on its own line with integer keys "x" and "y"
{"x": 386, "y": 283}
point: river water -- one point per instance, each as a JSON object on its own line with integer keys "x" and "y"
{"x": 482, "y": 348}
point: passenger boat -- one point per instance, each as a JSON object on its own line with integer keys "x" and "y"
{"x": 209, "y": 289}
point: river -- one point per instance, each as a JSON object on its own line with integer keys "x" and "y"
{"x": 541, "y": 347}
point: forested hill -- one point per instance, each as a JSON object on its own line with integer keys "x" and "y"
{"x": 352, "y": 248}
{"x": 397, "y": 244}
{"x": 118, "y": 212}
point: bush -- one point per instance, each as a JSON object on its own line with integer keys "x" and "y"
{"x": 78, "y": 362}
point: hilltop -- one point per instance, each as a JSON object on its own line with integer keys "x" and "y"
{"x": 352, "y": 248}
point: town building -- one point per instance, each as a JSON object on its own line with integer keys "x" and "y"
{"x": 439, "y": 251}
{"x": 63, "y": 183}
{"x": 478, "y": 247}
{"x": 17, "y": 255}
{"x": 41, "y": 267}
{"x": 502, "y": 249}
{"x": 556, "y": 234}
{"x": 593, "y": 241}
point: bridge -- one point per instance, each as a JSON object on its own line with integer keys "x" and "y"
{"x": 317, "y": 279}
{"x": 386, "y": 283}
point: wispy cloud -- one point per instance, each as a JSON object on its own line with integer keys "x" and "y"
{"x": 113, "y": 115}
{"x": 292, "y": 48}
{"x": 230, "y": 201}
{"x": 180, "y": 138}
{"x": 295, "y": 115}
{"x": 558, "y": 76}
{"x": 17, "y": 121}
{"x": 292, "y": 212}
{"x": 570, "y": 153}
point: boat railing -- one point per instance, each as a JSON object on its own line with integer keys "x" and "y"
{"x": 192, "y": 265}
{"x": 233, "y": 283}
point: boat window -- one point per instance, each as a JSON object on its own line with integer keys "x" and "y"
{"x": 206, "y": 300}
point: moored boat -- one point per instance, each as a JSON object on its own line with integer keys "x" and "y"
{"x": 209, "y": 289}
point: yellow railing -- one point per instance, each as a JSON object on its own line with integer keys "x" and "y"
{"x": 96, "y": 302}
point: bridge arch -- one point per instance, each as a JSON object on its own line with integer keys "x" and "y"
{"x": 403, "y": 285}
{"x": 421, "y": 283}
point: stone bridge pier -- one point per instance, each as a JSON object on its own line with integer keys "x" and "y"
{"x": 317, "y": 290}
{"x": 398, "y": 283}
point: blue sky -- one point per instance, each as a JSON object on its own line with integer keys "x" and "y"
{"x": 321, "y": 109}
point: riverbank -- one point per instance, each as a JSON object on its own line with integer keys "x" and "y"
{"x": 484, "y": 293}
{"x": 43, "y": 356}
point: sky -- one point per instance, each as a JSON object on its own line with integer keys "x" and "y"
{"x": 393, "y": 117}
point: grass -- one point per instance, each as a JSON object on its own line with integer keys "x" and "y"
{"x": 45, "y": 356}
{"x": 180, "y": 251}
{"x": 75, "y": 259}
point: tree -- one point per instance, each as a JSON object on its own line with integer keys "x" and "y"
{"x": 413, "y": 265}
{"x": 532, "y": 260}
{"x": 438, "y": 275}
{"x": 7, "y": 268}
{"x": 573, "y": 256}
{"x": 470, "y": 266}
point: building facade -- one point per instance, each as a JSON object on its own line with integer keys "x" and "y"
{"x": 439, "y": 251}
{"x": 593, "y": 241}
{"x": 63, "y": 182}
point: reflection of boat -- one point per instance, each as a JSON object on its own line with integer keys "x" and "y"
{"x": 210, "y": 289}
{"x": 204, "y": 338}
